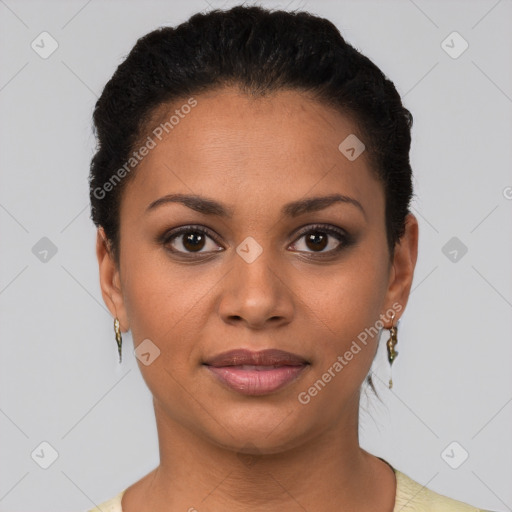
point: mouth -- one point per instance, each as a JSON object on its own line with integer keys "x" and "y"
{"x": 269, "y": 357}
{"x": 256, "y": 373}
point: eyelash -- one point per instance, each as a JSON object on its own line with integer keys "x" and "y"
{"x": 344, "y": 238}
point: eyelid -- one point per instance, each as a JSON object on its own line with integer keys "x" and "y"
{"x": 171, "y": 234}
{"x": 344, "y": 238}
{"x": 319, "y": 227}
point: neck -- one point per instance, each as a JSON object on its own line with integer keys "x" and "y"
{"x": 325, "y": 470}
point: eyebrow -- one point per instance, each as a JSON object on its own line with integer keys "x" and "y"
{"x": 208, "y": 206}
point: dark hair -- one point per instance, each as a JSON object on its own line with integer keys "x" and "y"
{"x": 260, "y": 51}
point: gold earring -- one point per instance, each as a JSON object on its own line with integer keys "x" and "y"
{"x": 119, "y": 339}
{"x": 391, "y": 343}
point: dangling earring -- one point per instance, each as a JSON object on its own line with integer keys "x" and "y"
{"x": 119, "y": 339}
{"x": 392, "y": 353}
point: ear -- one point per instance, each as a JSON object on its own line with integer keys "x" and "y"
{"x": 110, "y": 281}
{"x": 402, "y": 268}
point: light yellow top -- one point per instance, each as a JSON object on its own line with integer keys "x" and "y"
{"x": 410, "y": 497}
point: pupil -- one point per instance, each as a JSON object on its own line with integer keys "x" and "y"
{"x": 317, "y": 238}
{"x": 194, "y": 245}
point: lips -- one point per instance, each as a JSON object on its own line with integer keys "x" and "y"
{"x": 256, "y": 373}
{"x": 264, "y": 358}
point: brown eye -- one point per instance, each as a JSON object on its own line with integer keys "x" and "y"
{"x": 193, "y": 241}
{"x": 317, "y": 239}
{"x": 190, "y": 240}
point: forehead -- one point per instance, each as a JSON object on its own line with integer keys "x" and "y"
{"x": 230, "y": 145}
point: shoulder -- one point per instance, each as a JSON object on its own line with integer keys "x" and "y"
{"x": 111, "y": 505}
{"x": 412, "y": 496}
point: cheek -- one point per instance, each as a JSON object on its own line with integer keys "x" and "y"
{"x": 167, "y": 303}
{"x": 163, "y": 306}
{"x": 345, "y": 348}
{"x": 159, "y": 303}
{"x": 150, "y": 292}
{"x": 146, "y": 295}
{"x": 346, "y": 306}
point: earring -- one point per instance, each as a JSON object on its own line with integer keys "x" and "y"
{"x": 119, "y": 339}
{"x": 391, "y": 343}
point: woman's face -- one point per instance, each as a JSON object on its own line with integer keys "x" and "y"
{"x": 267, "y": 275}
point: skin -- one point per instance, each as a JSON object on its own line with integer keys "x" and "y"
{"x": 221, "y": 450}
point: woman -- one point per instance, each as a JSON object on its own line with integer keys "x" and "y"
{"x": 251, "y": 191}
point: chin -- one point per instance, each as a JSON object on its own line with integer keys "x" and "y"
{"x": 261, "y": 430}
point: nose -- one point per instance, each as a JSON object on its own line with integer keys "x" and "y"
{"x": 256, "y": 294}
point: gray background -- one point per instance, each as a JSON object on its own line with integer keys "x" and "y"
{"x": 60, "y": 378}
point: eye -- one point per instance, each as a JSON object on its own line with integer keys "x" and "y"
{"x": 195, "y": 240}
{"x": 316, "y": 238}
{"x": 189, "y": 239}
